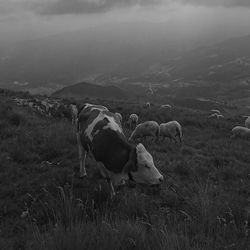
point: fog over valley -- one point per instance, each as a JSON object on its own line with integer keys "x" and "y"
{"x": 47, "y": 45}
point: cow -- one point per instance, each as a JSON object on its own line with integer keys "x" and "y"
{"x": 91, "y": 107}
{"x": 99, "y": 132}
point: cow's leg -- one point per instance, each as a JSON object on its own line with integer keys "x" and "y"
{"x": 106, "y": 175}
{"x": 83, "y": 172}
{"x": 112, "y": 190}
{"x": 82, "y": 156}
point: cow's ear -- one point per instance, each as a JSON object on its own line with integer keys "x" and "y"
{"x": 131, "y": 165}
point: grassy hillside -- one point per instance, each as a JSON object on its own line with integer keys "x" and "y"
{"x": 202, "y": 204}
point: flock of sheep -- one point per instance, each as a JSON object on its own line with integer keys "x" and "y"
{"x": 171, "y": 129}
{"x": 237, "y": 131}
{"x": 216, "y": 114}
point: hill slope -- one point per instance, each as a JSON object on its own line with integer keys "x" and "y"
{"x": 225, "y": 61}
{"x": 83, "y": 90}
{"x": 202, "y": 204}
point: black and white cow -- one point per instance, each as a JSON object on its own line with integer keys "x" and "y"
{"x": 98, "y": 131}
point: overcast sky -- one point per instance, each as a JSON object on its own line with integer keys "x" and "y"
{"x": 33, "y": 18}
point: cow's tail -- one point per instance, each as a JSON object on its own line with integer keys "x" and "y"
{"x": 77, "y": 120}
{"x": 75, "y": 114}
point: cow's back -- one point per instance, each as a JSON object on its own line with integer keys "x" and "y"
{"x": 101, "y": 133}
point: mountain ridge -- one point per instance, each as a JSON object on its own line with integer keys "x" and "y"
{"x": 83, "y": 89}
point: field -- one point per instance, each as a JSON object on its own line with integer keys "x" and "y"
{"x": 204, "y": 202}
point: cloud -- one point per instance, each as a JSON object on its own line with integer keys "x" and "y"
{"x": 214, "y": 3}
{"x": 60, "y": 7}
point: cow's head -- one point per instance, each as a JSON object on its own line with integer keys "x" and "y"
{"x": 141, "y": 167}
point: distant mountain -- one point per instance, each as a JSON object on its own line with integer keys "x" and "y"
{"x": 226, "y": 61}
{"x": 84, "y": 89}
{"x": 59, "y": 60}
{"x": 131, "y": 59}
{"x": 223, "y": 62}
{"x": 219, "y": 72}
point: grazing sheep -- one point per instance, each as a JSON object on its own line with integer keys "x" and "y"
{"x": 213, "y": 115}
{"x": 148, "y": 104}
{"x": 215, "y": 111}
{"x": 171, "y": 130}
{"x": 166, "y": 106}
{"x": 133, "y": 119}
{"x": 149, "y": 128}
{"x": 220, "y": 116}
{"x": 240, "y": 132}
{"x": 216, "y": 115}
{"x": 119, "y": 117}
{"x": 247, "y": 122}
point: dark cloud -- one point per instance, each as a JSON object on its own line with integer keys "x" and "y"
{"x": 222, "y": 3}
{"x": 60, "y": 7}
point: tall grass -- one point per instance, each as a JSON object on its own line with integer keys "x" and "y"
{"x": 203, "y": 202}
{"x": 137, "y": 221}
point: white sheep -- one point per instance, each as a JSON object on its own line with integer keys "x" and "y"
{"x": 240, "y": 132}
{"x": 171, "y": 130}
{"x": 215, "y": 111}
{"x": 133, "y": 119}
{"x": 216, "y": 115}
{"x": 166, "y": 106}
{"x": 220, "y": 117}
{"x": 119, "y": 117}
{"x": 247, "y": 122}
{"x": 148, "y": 128}
{"x": 148, "y": 105}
